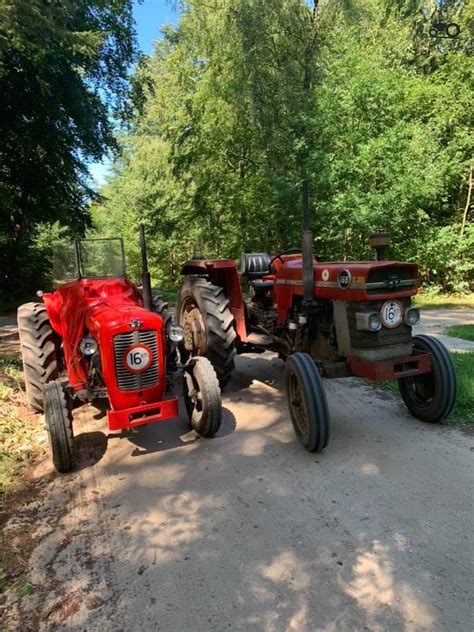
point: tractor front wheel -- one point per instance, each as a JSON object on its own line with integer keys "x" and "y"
{"x": 202, "y": 309}
{"x": 202, "y": 396}
{"x": 430, "y": 396}
{"x": 307, "y": 402}
{"x": 58, "y": 418}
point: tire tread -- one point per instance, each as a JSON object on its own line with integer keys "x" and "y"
{"x": 38, "y": 351}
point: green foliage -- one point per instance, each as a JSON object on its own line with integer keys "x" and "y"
{"x": 25, "y": 589}
{"x": 3, "y": 577}
{"x": 63, "y": 67}
{"x": 431, "y": 298}
{"x": 466, "y": 332}
{"x": 17, "y": 433}
{"x": 463, "y": 411}
{"x": 244, "y": 99}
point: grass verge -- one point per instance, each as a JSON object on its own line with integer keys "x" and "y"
{"x": 437, "y": 301}
{"x": 466, "y": 332}
{"x": 463, "y": 411}
{"x": 18, "y": 430}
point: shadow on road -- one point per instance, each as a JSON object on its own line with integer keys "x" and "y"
{"x": 171, "y": 434}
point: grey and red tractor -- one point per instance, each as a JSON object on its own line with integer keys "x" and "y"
{"x": 325, "y": 319}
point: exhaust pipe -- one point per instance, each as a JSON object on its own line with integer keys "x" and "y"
{"x": 146, "y": 278}
{"x": 307, "y": 248}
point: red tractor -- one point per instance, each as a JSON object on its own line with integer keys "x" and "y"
{"x": 99, "y": 338}
{"x": 329, "y": 319}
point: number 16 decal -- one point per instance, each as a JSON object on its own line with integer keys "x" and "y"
{"x": 137, "y": 358}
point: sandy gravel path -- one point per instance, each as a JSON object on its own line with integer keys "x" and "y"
{"x": 165, "y": 531}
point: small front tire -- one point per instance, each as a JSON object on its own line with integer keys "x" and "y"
{"x": 307, "y": 402}
{"x": 202, "y": 396}
{"x": 431, "y": 396}
{"x": 58, "y": 418}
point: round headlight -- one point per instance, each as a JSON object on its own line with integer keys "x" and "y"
{"x": 374, "y": 322}
{"x": 175, "y": 333}
{"x": 412, "y": 316}
{"x": 88, "y": 346}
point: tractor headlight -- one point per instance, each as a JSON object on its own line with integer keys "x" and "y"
{"x": 88, "y": 346}
{"x": 368, "y": 321}
{"x": 175, "y": 333}
{"x": 412, "y": 316}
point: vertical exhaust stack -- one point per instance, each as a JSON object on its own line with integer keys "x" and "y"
{"x": 308, "y": 278}
{"x": 146, "y": 278}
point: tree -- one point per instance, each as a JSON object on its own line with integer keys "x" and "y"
{"x": 63, "y": 67}
{"x": 247, "y": 97}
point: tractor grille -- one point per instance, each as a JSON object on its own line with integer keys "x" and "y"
{"x": 378, "y": 345}
{"x": 126, "y": 380}
{"x": 387, "y": 280}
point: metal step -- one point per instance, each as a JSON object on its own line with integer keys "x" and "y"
{"x": 259, "y": 340}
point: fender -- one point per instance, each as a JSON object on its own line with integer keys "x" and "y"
{"x": 222, "y": 272}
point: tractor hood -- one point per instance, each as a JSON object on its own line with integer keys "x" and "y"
{"x": 106, "y": 316}
{"x": 354, "y": 280}
{"x": 111, "y": 311}
{"x": 97, "y": 304}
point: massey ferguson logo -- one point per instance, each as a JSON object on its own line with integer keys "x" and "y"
{"x": 344, "y": 279}
{"x": 135, "y": 323}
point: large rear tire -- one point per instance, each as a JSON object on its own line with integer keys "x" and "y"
{"x": 431, "y": 396}
{"x": 160, "y": 307}
{"x": 202, "y": 396}
{"x": 58, "y": 418}
{"x": 202, "y": 309}
{"x": 38, "y": 350}
{"x": 307, "y": 402}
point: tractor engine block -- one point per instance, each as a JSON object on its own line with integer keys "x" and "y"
{"x": 384, "y": 344}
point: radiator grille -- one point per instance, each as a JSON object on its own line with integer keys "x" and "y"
{"x": 379, "y": 280}
{"x": 378, "y": 345}
{"x": 127, "y": 381}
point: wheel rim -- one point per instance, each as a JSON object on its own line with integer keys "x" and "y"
{"x": 297, "y": 406}
{"x": 421, "y": 388}
{"x": 194, "y": 329}
{"x": 194, "y": 396}
{"x": 452, "y": 30}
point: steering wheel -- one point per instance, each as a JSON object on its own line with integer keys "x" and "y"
{"x": 291, "y": 251}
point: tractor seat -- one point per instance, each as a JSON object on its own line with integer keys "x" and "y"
{"x": 262, "y": 286}
{"x": 255, "y": 265}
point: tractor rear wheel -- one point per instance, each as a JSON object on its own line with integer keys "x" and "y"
{"x": 58, "y": 418}
{"x": 431, "y": 396}
{"x": 202, "y": 396}
{"x": 160, "y": 307}
{"x": 38, "y": 350}
{"x": 307, "y": 402}
{"x": 202, "y": 309}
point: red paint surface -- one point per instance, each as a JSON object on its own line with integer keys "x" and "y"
{"x": 223, "y": 272}
{"x": 104, "y": 308}
{"x": 391, "y": 369}
{"x": 292, "y": 271}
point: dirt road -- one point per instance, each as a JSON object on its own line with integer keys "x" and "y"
{"x": 164, "y": 531}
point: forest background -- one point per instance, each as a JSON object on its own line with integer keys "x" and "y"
{"x": 213, "y": 133}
